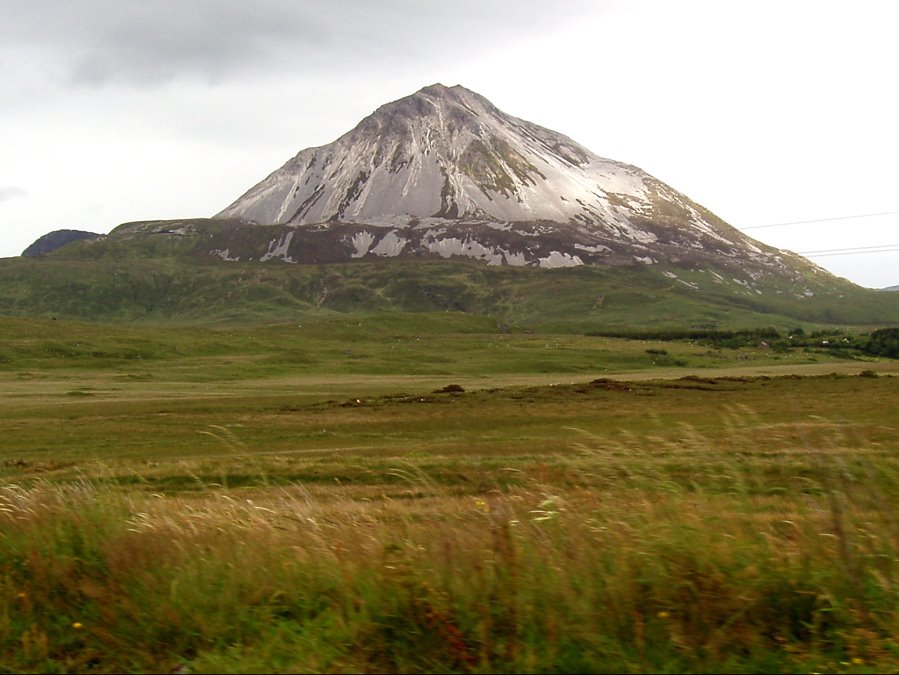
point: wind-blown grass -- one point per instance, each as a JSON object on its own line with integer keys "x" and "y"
{"x": 767, "y": 546}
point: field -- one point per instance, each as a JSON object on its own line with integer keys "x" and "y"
{"x": 441, "y": 493}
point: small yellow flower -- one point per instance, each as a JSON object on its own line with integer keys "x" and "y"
{"x": 22, "y": 595}
{"x": 663, "y": 614}
{"x": 77, "y": 625}
{"x": 856, "y": 661}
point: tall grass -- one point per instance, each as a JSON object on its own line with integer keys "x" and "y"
{"x": 660, "y": 551}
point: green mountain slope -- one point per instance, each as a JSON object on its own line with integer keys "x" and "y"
{"x": 166, "y": 274}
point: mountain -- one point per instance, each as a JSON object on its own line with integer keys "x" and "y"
{"x": 441, "y": 202}
{"x": 54, "y": 240}
{"x": 443, "y": 173}
{"x": 890, "y": 288}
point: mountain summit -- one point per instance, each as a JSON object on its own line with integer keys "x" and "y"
{"x": 444, "y": 152}
{"x": 444, "y": 172}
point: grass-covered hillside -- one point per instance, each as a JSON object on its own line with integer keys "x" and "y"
{"x": 167, "y": 274}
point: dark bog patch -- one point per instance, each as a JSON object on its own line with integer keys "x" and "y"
{"x": 608, "y": 385}
{"x": 450, "y": 389}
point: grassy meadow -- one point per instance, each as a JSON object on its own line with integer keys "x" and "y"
{"x": 441, "y": 493}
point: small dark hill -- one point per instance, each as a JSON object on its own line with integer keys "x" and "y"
{"x": 57, "y": 239}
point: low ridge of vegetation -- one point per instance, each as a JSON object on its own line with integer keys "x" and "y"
{"x": 170, "y": 278}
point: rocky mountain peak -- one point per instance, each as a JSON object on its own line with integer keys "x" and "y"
{"x": 458, "y": 95}
{"x": 443, "y": 172}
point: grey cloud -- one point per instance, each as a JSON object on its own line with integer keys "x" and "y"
{"x": 141, "y": 42}
{"x": 7, "y": 193}
{"x": 95, "y": 42}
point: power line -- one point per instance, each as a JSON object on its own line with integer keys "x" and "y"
{"x": 822, "y": 253}
{"x": 872, "y": 249}
{"x": 821, "y": 220}
{"x": 827, "y": 255}
{"x": 841, "y": 252}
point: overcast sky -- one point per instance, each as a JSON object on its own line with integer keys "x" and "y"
{"x": 764, "y": 112}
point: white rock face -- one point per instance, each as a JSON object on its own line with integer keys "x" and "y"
{"x": 558, "y": 259}
{"x": 223, "y": 254}
{"x": 390, "y": 246}
{"x": 362, "y": 243}
{"x": 278, "y": 248}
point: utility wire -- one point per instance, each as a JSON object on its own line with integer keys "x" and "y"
{"x": 886, "y": 248}
{"x": 861, "y": 249}
{"x": 839, "y": 253}
{"x": 821, "y": 220}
